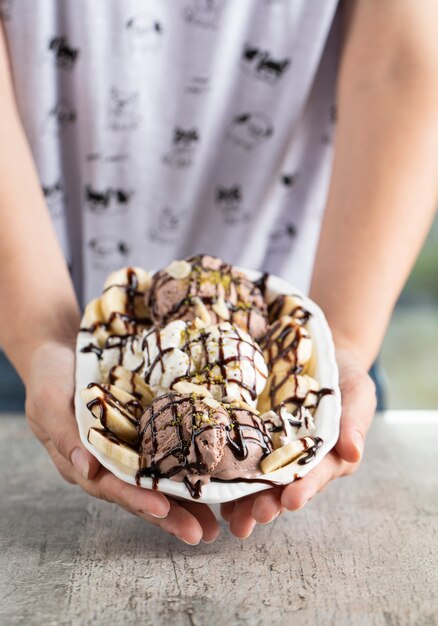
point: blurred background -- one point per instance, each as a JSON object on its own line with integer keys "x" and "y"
{"x": 409, "y": 358}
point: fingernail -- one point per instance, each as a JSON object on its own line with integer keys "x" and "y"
{"x": 80, "y": 463}
{"x": 187, "y": 542}
{"x": 271, "y": 520}
{"x": 211, "y": 540}
{"x": 155, "y": 515}
{"x": 358, "y": 440}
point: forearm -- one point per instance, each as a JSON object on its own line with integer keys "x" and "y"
{"x": 382, "y": 197}
{"x": 37, "y": 301}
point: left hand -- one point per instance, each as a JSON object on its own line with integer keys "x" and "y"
{"x": 358, "y": 408}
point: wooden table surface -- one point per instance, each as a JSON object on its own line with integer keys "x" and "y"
{"x": 364, "y": 552}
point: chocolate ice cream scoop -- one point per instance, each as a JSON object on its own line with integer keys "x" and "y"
{"x": 192, "y": 438}
{"x": 206, "y": 283}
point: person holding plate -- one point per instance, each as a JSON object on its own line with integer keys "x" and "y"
{"x": 274, "y": 135}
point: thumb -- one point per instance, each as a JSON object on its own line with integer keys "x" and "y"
{"x": 358, "y": 409}
{"x": 58, "y": 422}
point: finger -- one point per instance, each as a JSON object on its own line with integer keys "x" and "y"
{"x": 267, "y": 506}
{"x": 296, "y": 495}
{"x": 182, "y": 524}
{"x": 52, "y": 418}
{"x": 242, "y": 522}
{"x": 65, "y": 468}
{"x": 358, "y": 408}
{"x": 227, "y": 509}
{"x": 206, "y": 518}
{"x": 108, "y": 487}
{"x": 152, "y": 506}
{"x": 136, "y": 499}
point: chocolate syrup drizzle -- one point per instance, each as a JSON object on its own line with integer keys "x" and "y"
{"x": 262, "y": 283}
{"x": 228, "y": 284}
{"x": 277, "y": 382}
{"x": 128, "y": 409}
{"x": 275, "y": 310}
{"x": 238, "y": 436}
{"x": 311, "y": 451}
{"x": 132, "y": 323}
{"x": 218, "y": 372}
{"x": 277, "y": 346}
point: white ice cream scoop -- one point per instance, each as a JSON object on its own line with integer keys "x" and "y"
{"x": 222, "y": 358}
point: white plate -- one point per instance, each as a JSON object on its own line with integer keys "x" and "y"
{"x": 327, "y": 417}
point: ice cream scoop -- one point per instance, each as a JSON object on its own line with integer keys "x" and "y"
{"x": 189, "y": 289}
{"x": 192, "y": 438}
{"x": 223, "y": 358}
{"x": 120, "y": 350}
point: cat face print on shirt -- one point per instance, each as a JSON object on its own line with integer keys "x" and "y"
{"x": 168, "y": 226}
{"x": 59, "y": 118}
{"x": 108, "y": 253}
{"x": 110, "y": 201}
{"x": 281, "y": 238}
{"x": 197, "y": 85}
{"x": 288, "y": 181}
{"x": 204, "y": 13}
{"x": 185, "y": 143}
{"x": 99, "y": 157}
{"x": 64, "y": 54}
{"x": 328, "y": 135}
{"x": 250, "y": 129}
{"x": 145, "y": 33}
{"x": 123, "y": 110}
{"x": 6, "y": 8}
{"x": 55, "y": 197}
{"x": 229, "y": 202}
{"x": 261, "y": 64}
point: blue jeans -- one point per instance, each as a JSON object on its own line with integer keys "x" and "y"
{"x": 11, "y": 388}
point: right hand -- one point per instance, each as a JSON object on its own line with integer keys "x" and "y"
{"x": 50, "y": 412}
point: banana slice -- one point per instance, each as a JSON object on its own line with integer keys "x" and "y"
{"x": 293, "y": 306}
{"x": 179, "y": 269}
{"x": 93, "y": 313}
{"x": 113, "y": 415}
{"x": 201, "y": 310}
{"x": 93, "y": 320}
{"x": 127, "y": 399}
{"x": 309, "y": 368}
{"x": 123, "y": 298}
{"x": 185, "y": 387}
{"x": 107, "y": 444}
{"x": 221, "y": 309}
{"x": 286, "y": 345}
{"x": 285, "y": 455}
{"x": 290, "y": 390}
{"x": 124, "y": 277}
{"x": 132, "y": 383}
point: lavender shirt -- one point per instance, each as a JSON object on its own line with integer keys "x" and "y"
{"x": 163, "y": 128}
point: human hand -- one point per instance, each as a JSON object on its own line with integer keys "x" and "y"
{"x": 50, "y": 412}
{"x": 358, "y": 408}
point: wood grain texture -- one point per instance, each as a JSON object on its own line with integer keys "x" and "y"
{"x": 362, "y": 553}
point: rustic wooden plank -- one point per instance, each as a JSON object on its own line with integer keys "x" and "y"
{"x": 362, "y": 553}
